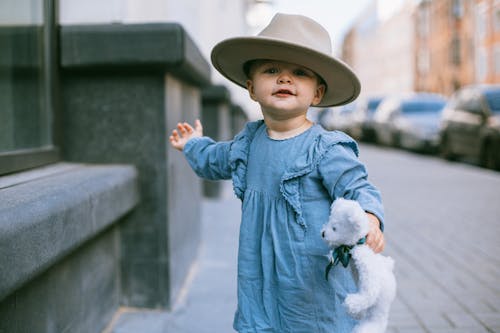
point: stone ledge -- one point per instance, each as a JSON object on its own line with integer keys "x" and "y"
{"x": 127, "y": 47}
{"x": 43, "y": 219}
{"x": 216, "y": 94}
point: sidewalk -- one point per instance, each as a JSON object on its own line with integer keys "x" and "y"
{"x": 208, "y": 300}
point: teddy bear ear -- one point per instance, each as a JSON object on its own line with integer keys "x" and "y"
{"x": 339, "y": 204}
{"x": 355, "y": 222}
{"x": 362, "y": 222}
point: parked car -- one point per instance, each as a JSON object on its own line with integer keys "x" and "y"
{"x": 418, "y": 127}
{"x": 470, "y": 125}
{"x": 314, "y": 114}
{"x": 362, "y": 118}
{"x": 338, "y": 118}
{"x": 409, "y": 121}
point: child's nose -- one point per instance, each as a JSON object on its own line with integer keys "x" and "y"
{"x": 284, "y": 78}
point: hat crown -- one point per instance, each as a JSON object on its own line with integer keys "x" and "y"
{"x": 299, "y": 30}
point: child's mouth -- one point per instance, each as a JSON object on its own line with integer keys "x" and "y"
{"x": 284, "y": 92}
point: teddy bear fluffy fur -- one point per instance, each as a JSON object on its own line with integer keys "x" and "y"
{"x": 348, "y": 223}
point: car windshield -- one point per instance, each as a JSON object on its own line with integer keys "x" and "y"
{"x": 413, "y": 107}
{"x": 373, "y": 104}
{"x": 493, "y": 99}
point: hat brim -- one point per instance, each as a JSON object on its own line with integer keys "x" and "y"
{"x": 229, "y": 56}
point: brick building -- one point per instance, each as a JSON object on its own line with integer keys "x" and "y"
{"x": 348, "y": 50}
{"x": 487, "y": 41}
{"x": 444, "y": 45}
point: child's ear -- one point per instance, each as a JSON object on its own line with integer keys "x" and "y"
{"x": 318, "y": 94}
{"x": 249, "y": 84}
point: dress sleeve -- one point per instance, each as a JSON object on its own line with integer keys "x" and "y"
{"x": 208, "y": 159}
{"x": 344, "y": 176}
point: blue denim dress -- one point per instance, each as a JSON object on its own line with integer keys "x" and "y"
{"x": 286, "y": 188}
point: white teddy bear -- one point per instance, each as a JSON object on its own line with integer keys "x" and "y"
{"x": 345, "y": 233}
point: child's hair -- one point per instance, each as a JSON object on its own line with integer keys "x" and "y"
{"x": 247, "y": 68}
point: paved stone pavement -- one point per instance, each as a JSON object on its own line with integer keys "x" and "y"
{"x": 442, "y": 229}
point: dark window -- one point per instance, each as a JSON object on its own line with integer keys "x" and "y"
{"x": 422, "y": 106}
{"x": 470, "y": 102}
{"x": 457, "y": 9}
{"x": 373, "y": 104}
{"x": 493, "y": 100}
{"x": 455, "y": 51}
{"x": 27, "y": 79}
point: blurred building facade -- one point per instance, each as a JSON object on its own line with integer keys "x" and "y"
{"x": 347, "y": 49}
{"x": 444, "y": 53}
{"x": 380, "y": 56}
{"x": 487, "y": 41}
{"x": 97, "y": 212}
{"x": 201, "y": 19}
{"x": 427, "y": 45}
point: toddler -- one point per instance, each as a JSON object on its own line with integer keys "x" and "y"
{"x": 287, "y": 171}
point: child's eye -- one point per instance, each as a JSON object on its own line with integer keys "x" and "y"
{"x": 271, "y": 70}
{"x": 300, "y": 72}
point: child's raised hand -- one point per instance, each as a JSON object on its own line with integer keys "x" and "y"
{"x": 375, "y": 237}
{"x": 184, "y": 133}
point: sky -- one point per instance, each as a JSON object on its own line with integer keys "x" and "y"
{"x": 336, "y": 16}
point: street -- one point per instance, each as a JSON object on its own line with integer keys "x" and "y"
{"x": 442, "y": 228}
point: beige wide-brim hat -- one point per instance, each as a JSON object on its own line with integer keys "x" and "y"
{"x": 295, "y": 39}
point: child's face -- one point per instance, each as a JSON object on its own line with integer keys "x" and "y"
{"x": 282, "y": 88}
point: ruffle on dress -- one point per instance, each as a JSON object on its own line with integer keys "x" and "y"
{"x": 238, "y": 157}
{"x": 289, "y": 185}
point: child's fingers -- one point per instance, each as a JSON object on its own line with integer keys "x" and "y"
{"x": 375, "y": 240}
{"x": 188, "y": 128}
{"x": 182, "y": 129}
{"x": 197, "y": 125}
{"x": 175, "y": 135}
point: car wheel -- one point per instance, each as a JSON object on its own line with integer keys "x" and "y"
{"x": 368, "y": 135}
{"x": 489, "y": 158}
{"x": 375, "y": 138}
{"x": 445, "y": 150}
{"x": 396, "y": 139}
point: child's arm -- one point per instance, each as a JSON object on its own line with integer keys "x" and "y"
{"x": 184, "y": 133}
{"x": 208, "y": 159}
{"x": 345, "y": 176}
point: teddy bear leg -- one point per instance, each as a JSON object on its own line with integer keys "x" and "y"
{"x": 375, "y": 321}
{"x": 351, "y": 303}
{"x": 356, "y": 304}
{"x": 370, "y": 283}
{"x": 370, "y": 327}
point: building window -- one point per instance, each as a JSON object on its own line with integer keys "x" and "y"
{"x": 496, "y": 58}
{"x": 481, "y": 16}
{"x": 424, "y": 61}
{"x": 481, "y": 65}
{"x": 457, "y": 9}
{"x": 424, "y": 21}
{"x": 27, "y": 114}
{"x": 455, "y": 51}
{"x": 496, "y": 16}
